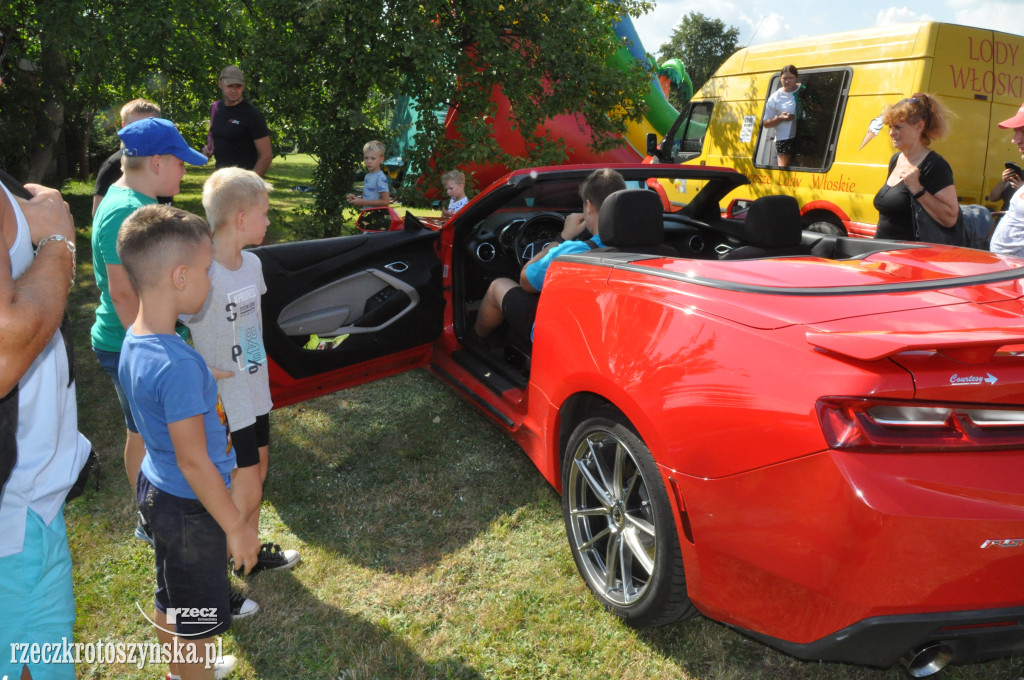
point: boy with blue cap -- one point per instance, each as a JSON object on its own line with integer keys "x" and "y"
{"x": 153, "y": 159}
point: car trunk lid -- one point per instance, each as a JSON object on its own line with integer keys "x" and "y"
{"x": 813, "y": 290}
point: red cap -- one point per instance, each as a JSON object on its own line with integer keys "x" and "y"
{"x": 1015, "y": 122}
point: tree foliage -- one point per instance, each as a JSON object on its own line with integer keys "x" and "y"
{"x": 702, "y": 44}
{"x": 70, "y": 61}
{"x": 326, "y": 64}
{"x": 324, "y": 73}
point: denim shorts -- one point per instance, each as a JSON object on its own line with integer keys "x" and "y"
{"x": 191, "y": 562}
{"x": 38, "y": 602}
{"x": 109, "y": 362}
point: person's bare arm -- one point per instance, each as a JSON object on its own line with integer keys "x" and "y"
{"x": 264, "y": 154}
{"x": 122, "y": 294}
{"x": 1010, "y": 178}
{"x": 572, "y": 228}
{"x": 189, "y": 439}
{"x": 96, "y": 203}
{"x": 382, "y": 202}
{"x": 31, "y": 307}
{"x": 942, "y": 206}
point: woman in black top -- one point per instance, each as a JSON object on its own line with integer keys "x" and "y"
{"x": 915, "y": 171}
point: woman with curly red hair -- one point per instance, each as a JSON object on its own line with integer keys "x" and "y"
{"x": 916, "y": 173}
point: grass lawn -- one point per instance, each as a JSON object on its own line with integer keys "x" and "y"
{"x": 431, "y": 546}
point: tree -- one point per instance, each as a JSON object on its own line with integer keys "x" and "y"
{"x": 324, "y": 73}
{"x": 70, "y": 59}
{"x": 702, "y": 44}
{"x": 325, "y": 63}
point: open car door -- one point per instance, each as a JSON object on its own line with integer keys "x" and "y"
{"x": 374, "y": 301}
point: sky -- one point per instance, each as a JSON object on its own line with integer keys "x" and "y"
{"x": 761, "y": 21}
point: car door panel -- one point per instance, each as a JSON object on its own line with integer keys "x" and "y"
{"x": 365, "y": 302}
{"x": 383, "y": 291}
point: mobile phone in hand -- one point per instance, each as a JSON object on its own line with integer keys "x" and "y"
{"x": 1016, "y": 169}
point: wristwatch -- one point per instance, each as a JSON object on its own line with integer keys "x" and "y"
{"x": 920, "y": 193}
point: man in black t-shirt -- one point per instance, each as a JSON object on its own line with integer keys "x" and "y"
{"x": 238, "y": 132}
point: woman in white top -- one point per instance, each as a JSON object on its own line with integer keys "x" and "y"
{"x": 780, "y": 112}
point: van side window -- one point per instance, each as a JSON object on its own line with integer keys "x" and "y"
{"x": 692, "y": 137}
{"x": 821, "y": 101}
{"x": 689, "y": 130}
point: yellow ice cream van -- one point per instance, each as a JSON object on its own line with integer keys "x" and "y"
{"x": 841, "y": 151}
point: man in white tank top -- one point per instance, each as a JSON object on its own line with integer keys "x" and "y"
{"x": 41, "y": 450}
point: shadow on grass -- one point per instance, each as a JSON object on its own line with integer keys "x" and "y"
{"x": 303, "y": 634}
{"x": 394, "y": 474}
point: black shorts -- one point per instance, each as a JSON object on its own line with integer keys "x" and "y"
{"x": 785, "y": 146}
{"x": 520, "y": 310}
{"x": 190, "y": 550}
{"x": 248, "y": 440}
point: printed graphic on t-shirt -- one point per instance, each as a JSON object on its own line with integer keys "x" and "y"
{"x": 242, "y": 311}
{"x": 223, "y": 415}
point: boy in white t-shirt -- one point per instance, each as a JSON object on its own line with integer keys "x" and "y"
{"x": 455, "y": 186}
{"x": 228, "y": 332}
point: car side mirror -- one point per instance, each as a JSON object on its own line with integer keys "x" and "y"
{"x": 652, "y": 146}
{"x": 383, "y": 218}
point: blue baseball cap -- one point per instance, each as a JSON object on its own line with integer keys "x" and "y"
{"x": 157, "y": 137}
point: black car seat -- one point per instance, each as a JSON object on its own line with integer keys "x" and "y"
{"x": 772, "y": 228}
{"x": 632, "y": 221}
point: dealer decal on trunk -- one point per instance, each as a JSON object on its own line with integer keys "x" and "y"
{"x": 956, "y": 379}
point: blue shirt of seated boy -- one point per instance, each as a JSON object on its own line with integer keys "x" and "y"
{"x": 167, "y": 381}
{"x": 537, "y": 271}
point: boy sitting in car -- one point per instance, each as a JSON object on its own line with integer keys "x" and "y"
{"x": 516, "y": 302}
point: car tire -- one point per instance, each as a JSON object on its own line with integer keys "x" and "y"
{"x": 616, "y": 511}
{"x": 823, "y": 227}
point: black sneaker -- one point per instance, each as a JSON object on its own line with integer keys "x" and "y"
{"x": 241, "y": 606}
{"x": 273, "y": 557}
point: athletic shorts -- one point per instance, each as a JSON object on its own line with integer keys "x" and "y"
{"x": 785, "y": 146}
{"x": 38, "y": 601}
{"x": 520, "y": 310}
{"x": 248, "y": 441}
{"x": 109, "y": 362}
{"x": 191, "y": 562}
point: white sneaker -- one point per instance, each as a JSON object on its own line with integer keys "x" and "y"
{"x": 223, "y": 666}
{"x": 241, "y": 606}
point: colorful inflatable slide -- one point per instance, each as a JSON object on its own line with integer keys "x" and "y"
{"x": 660, "y": 116}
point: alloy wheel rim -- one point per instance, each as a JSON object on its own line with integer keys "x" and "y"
{"x": 611, "y": 518}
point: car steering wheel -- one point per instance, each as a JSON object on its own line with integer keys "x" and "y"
{"x": 537, "y": 232}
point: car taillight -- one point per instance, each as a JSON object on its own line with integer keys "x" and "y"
{"x": 856, "y": 424}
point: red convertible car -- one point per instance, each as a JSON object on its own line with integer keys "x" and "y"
{"x": 814, "y": 439}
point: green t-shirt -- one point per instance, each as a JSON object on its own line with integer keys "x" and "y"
{"x": 119, "y": 202}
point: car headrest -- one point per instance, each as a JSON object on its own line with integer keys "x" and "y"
{"x": 773, "y": 222}
{"x": 631, "y": 217}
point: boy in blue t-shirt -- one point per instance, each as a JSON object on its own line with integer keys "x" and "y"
{"x": 375, "y": 184}
{"x": 183, "y": 484}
